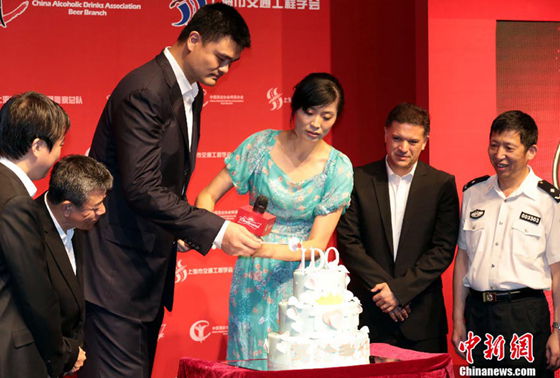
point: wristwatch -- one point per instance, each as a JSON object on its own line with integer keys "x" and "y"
{"x": 556, "y": 325}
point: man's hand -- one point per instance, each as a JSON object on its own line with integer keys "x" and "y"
{"x": 182, "y": 246}
{"x": 238, "y": 241}
{"x": 459, "y": 335}
{"x": 79, "y": 362}
{"x": 384, "y": 298}
{"x": 400, "y": 314}
{"x": 553, "y": 350}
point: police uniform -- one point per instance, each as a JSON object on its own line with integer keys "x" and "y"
{"x": 510, "y": 243}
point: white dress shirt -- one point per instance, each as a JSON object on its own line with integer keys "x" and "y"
{"x": 399, "y": 186}
{"x": 510, "y": 241}
{"x": 65, "y": 236}
{"x": 25, "y": 180}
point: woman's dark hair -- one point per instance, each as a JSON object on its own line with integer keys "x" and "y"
{"x": 317, "y": 89}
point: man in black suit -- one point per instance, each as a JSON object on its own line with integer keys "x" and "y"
{"x": 32, "y": 129}
{"x": 147, "y": 137}
{"x": 77, "y": 187}
{"x": 399, "y": 236}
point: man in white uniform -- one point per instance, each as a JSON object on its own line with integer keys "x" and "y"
{"x": 509, "y": 252}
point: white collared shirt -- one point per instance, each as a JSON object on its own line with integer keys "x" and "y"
{"x": 510, "y": 241}
{"x": 399, "y": 186}
{"x": 66, "y": 238}
{"x": 25, "y": 180}
{"x": 188, "y": 91}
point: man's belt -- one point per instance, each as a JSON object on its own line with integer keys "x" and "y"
{"x": 504, "y": 296}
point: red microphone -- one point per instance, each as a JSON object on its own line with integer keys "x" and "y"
{"x": 255, "y": 218}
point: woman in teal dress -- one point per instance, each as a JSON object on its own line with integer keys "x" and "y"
{"x": 308, "y": 184}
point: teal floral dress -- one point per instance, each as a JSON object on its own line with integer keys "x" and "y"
{"x": 259, "y": 284}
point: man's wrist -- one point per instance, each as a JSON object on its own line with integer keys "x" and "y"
{"x": 217, "y": 243}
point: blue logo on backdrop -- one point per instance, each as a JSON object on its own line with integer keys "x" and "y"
{"x": 187, "y": 8}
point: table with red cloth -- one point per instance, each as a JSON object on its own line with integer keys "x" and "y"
{"x": 410, "y": 364}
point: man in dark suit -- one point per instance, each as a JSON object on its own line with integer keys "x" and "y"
{"x": 77, "y": 187}
{"x": 147, "y": 137}
{"x": 399, "y": 236}
{"x": 32, "y": 129}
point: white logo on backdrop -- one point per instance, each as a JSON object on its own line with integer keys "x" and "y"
{"x": 226, "y": 214}
{"x": 556, "y": 168}
{"x": 200, "y": 330}
{"x": 162, "y": 331}
{"x": 276, "y": 4}
{"x": 276, "y": 100}
{"x": 63, "y": 100}
{"x": 223, "y": 99}
{"x": 88, "y": 8}
{"x": 7, "y": 16}
{"x": 212, "y": 154}
{"x": 181, "y": 272}
{"x": 205, "y": 98}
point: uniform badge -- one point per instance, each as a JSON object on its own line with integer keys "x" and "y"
{"x": 530, "y": 218}
{"x": 475, "y": 214}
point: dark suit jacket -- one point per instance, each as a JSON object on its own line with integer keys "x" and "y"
{"x": 30, "y": 334}
{"x": 67, "y": 285}
{"x": 426, "y": 247}
{"x": 142, "y": 139}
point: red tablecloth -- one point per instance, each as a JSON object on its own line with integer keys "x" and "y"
{"x": 410, "y": 364}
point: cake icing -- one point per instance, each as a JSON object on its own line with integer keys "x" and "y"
{"x": 318, "y": 325}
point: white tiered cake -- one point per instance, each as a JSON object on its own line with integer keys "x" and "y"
{"x": 318, "y": 325}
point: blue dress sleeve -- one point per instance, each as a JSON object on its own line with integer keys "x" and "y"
{"x": 247, "y": 158}
{"x": 338, "y": 186}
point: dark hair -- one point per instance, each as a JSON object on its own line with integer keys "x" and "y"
{"x": 27, "y": 116}
{"x": 216, "y": 21}
{"x": 74, "y": 177}
{"x": 409, "y": 113}
{"x": 317, "y": 89}
{"x": 516, "y": 120}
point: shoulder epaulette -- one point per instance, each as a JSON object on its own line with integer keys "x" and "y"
{"x": 475, "y": 181}
{"x": 550, "y": 189}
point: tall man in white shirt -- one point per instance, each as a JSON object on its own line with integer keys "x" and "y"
{"x": 509, "y": 252}
{"x": 32, "y": 129}
{"x": 398, "y": 236}
{"x": 147, "y": 137}
{"x": 77, "y": 187}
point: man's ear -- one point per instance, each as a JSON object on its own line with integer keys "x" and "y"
{"x": 425, "y": 142}
{"x": 37, "y": 146}
{"x": 67, "y": 207}
{"x": 531, "y": 152}
{"x": 193, "y": 40}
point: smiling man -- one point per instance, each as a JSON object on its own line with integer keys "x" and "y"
{"x": 147, "y": 137}
{"x": 399, "y": 235}
{"x": 509, "y": 252}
